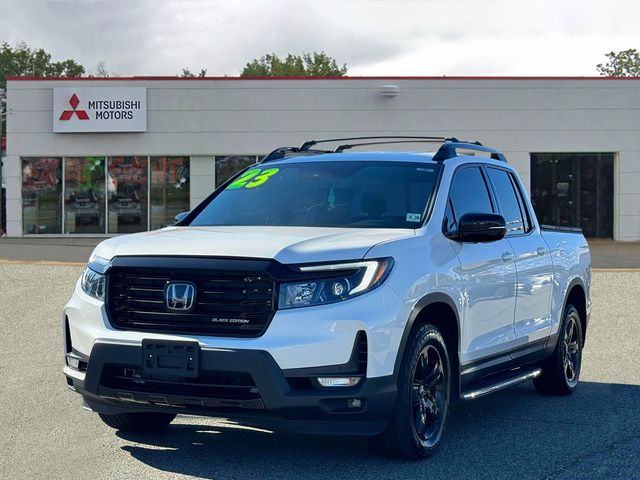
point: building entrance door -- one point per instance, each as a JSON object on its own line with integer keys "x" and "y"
{"x": 574, "y": 190}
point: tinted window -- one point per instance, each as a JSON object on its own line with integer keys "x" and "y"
{"x": 522, "y": 203}
{"x": 507, "y": 199}
{"x": 449, "y": 219}
{"x": 469, "y": 193}
{"x": 227, "y": 166}
{"x": 325, "y": 194}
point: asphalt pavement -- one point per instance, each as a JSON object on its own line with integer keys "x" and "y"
{"x": 517, "y": 433}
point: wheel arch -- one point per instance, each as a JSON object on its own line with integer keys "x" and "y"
{"x": 576, "y": 296}
{"x": 441, "y": 311}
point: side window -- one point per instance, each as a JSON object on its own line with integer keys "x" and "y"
{"x": 469, "y": 193}
{"x": 508, "y": 201}
{"x": 449, "y": 222}
{"x": 522, "y": 203}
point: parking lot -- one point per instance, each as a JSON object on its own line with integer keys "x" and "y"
{"x": 45, "y": 433}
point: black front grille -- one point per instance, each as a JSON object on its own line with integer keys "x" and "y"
{"x": 228, "y": 390}
{"x": 223, "y": 385}
{"x": 228, "y": 301}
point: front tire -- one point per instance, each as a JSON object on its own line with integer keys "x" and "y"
{"x": 561, "y": 371}
{"x": 422, "y": 403}
{"x": 138, "y": 421}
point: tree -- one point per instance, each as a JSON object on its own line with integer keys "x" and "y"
{"x": 101, "y": 69}
{"x": 308, "y": 65}
{"x": 621, "y": 64}
{"x": 186, "y": 73}
{"x": 22, "y": 61}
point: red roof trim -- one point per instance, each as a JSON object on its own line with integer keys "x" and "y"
{"x": 149, "y": 78}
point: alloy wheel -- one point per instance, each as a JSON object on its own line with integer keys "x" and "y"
{"x": 571, "y": 360}
{"x": 428, "y": 396}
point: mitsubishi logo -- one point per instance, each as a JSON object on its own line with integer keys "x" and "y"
{"x": 179, "y": 296}
{"x": 67, "y": 114}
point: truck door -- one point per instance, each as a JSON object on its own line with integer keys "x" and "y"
{"x": 534, "y": 269}
{"x": 488, "y": 276}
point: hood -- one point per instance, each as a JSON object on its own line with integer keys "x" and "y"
{"x": 288, "y": 245}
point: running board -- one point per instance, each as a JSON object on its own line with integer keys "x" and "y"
{"x": 509, "y": 382}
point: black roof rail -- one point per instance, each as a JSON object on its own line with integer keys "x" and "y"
{"x": 281, "y": 152}
{"x": 308, "y": 144}
{"x": 449, "y": 150}
{"x": 348, "y": 146}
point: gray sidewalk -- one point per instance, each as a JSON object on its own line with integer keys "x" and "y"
{"x": 604, "y": 253}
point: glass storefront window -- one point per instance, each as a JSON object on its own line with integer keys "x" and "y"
{"x": 41, "y": 195}
{"x": 574, "y": 190}
{"x": 127, "y": 194}
{"x": 169, "y": 189}
{"x": 228, "y": 166}
{"x": 84, "y": 199}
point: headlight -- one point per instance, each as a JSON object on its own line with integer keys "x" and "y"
{"x": 342, "y": 281}
{"x": 93, "y": 278}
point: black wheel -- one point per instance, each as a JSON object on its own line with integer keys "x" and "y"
{"x": 138, "y": 422}
{"x": 561, "y": 371}
{"x": 422, "y": 404}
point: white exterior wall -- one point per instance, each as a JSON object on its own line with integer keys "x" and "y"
{"x": 202, "y": 118}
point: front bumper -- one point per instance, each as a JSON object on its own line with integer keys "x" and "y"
{"x": 275, "y": 399}
{"x": 296, "y": 338}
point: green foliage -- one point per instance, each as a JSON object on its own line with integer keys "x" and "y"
{"x": 308, "y": 65}
{"x": 21, "y": 61}
{"x": 186, "y": 73}
{"x": 621, "y": 64}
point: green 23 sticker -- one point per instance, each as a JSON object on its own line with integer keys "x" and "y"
{"x": 257, "y": 177}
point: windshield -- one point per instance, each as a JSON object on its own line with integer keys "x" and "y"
{"x": 325, "y": 194}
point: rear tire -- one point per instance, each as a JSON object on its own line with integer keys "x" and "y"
{"x": 561, "y": 371}
{"x": 422, "y": 403}
{"x": 139, "y": 421}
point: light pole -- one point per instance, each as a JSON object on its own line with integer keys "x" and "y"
{"x": 2, "y": 215}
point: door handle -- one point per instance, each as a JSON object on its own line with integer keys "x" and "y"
{"x": 541, "y": 251}
{"x": 507, "y": 256}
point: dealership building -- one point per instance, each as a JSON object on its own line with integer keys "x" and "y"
{"x": 98, "y": 157}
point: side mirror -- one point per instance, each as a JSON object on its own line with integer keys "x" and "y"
{"x": 179, "y": 217}
{"x": 479, "y": 227}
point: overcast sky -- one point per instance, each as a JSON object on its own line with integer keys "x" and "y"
{"x": 373, "y": 37}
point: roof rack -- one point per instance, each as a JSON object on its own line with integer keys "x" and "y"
{"x": 308, "y": 144}
{"x": 281, "y": 152}
{"x": 348, "y": 146}
{"x": 305, "y": 148}
{"x": 449, "y": 150}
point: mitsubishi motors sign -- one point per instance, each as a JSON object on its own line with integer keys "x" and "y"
{"x": 99, "y": 109}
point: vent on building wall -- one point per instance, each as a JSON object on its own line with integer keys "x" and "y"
{"x": 389, "y": 90}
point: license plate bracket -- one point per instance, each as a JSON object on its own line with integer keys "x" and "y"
{"x": 172, "y": 359}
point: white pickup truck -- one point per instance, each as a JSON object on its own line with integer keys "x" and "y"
{"x": 334, "y": 292}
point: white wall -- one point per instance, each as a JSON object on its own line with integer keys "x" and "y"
{"x": 206, "y": 117}
{"x": 627, "y": 200}
{"x": 202, "y": 177}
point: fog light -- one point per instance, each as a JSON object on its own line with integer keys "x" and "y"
{"x": 354, "y": 403}
{"x": 73, "y": 362}
{"x": 339, "y": 381}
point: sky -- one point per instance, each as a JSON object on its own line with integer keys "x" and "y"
{"x": 373, "y": 37}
